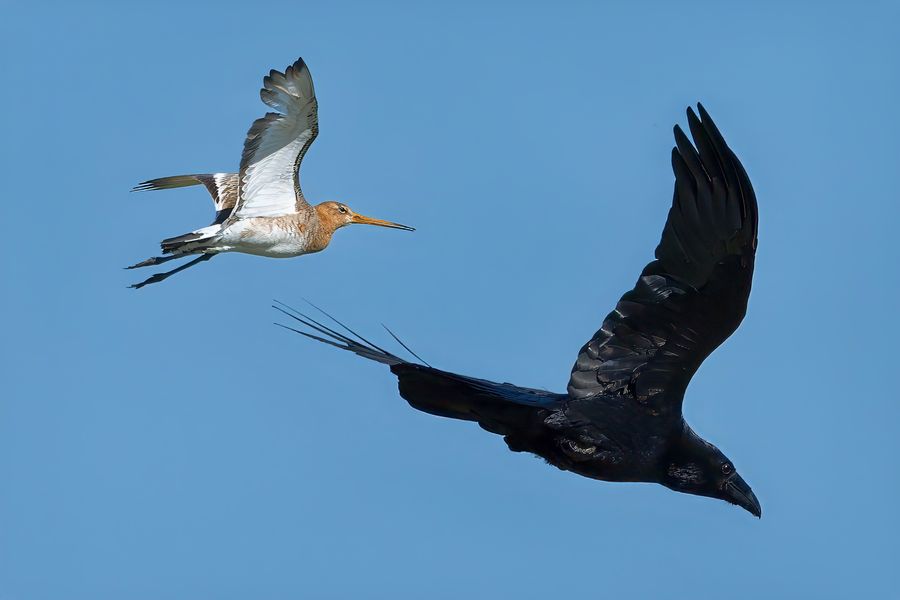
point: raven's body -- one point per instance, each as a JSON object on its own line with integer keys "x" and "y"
{"x": 620, "y": 418}
{"x": 598, "y": 437}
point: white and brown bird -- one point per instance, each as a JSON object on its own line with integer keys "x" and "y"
{"x": 261, "y": 209}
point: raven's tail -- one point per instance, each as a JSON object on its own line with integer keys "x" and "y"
{"x": 500, "y": 408}
{"x": 356, "y": 344}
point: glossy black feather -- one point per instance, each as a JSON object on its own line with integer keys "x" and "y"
{"x": 693, "y": 296}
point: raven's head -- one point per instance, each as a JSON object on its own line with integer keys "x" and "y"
{"x": 694, "y": 466}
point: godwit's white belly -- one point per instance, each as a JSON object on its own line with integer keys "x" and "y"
{"x": 263, "y": 237}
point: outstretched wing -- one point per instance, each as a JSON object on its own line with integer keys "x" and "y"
{"x": 223, "y": 187}
{"x": 276, "y": 144}
{"x": 694, "y": 295}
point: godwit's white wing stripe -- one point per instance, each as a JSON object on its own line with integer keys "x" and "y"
{"x": 223, "y": 187}
{"x": 227, "y": 186}
{"x": 275, "y": 145}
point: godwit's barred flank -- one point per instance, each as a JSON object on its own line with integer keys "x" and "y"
{"x": 620, "y": 418}
{"x": 261, "y": 210}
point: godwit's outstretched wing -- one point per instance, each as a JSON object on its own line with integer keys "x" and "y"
{"x": 223, "y": 187}
{"x": 694, "y": 295}
{"x": 276, "y": 144}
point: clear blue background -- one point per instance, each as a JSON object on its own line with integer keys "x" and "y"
{"x": 172, "y": 443}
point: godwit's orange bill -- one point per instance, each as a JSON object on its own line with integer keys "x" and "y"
{"x": 363, "y": 220}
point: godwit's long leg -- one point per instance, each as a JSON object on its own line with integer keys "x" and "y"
{"x": 155, "y": 260}
{"x": 162, "y": 276}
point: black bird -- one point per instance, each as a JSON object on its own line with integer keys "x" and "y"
{"x": 621, "y": 417}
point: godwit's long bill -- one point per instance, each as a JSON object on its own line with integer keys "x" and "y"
{"x": 261, "y": 210}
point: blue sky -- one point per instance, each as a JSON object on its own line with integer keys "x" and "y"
{"x": 172, "y": 443}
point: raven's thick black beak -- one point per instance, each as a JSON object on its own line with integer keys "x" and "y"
{"x": 738, "y": 492}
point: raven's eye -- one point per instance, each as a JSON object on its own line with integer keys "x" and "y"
{"x": 727, "y": 468}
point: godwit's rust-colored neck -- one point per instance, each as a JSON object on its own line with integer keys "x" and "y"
{"x": 327, "y": 222}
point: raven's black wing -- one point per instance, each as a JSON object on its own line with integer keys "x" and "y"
{"x": 694, "y": 295}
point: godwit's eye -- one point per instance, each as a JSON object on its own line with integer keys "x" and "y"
{"x": 727, "y": 468}
{"x": 341, "y": 208}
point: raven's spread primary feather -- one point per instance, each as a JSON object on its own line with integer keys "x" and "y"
{"x": 621, "y": 417}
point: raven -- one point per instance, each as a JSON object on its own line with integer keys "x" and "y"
{"x": 621, "y": 417}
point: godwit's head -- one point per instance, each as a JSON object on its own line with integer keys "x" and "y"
{"x": 334, "y": 215}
